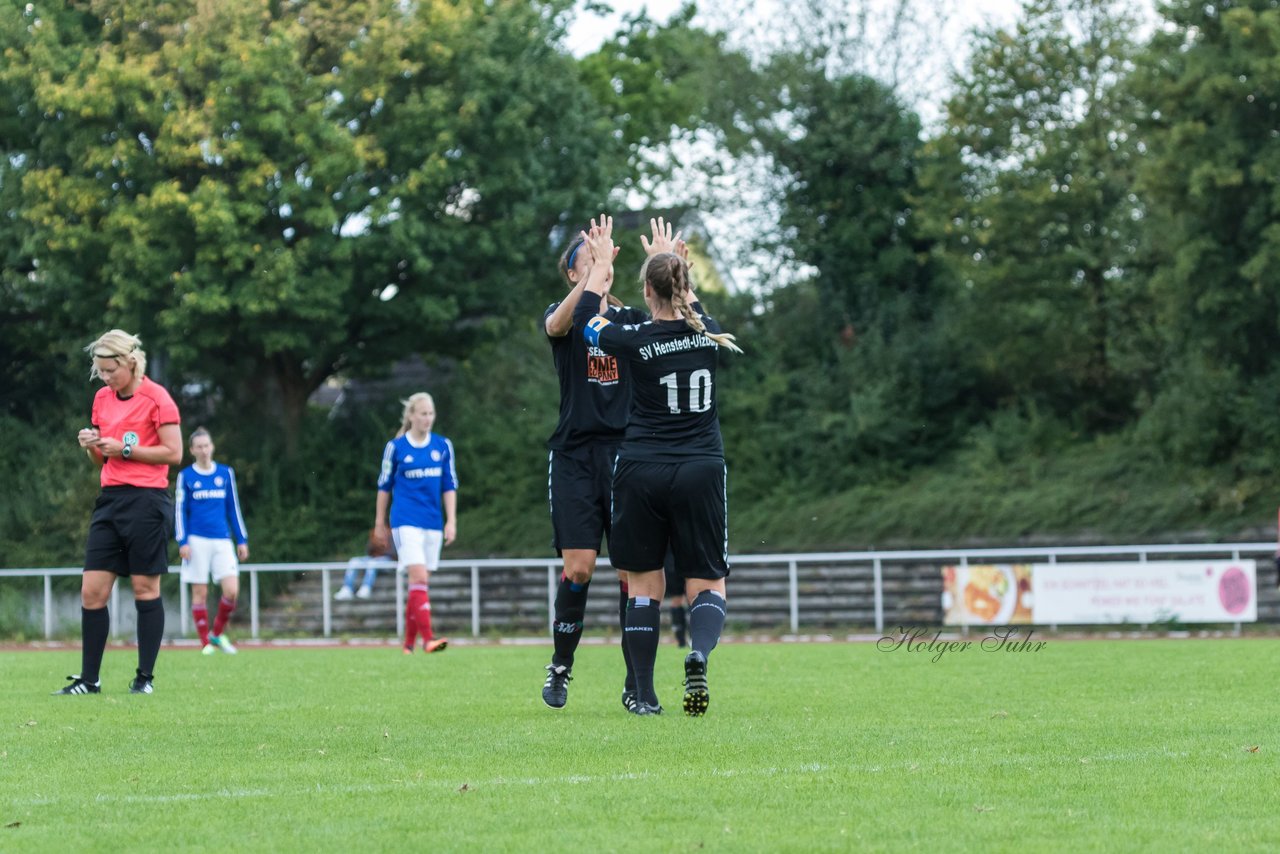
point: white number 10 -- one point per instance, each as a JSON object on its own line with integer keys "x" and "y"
{"x": 699, "y": 391}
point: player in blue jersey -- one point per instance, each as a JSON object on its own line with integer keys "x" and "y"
{"x": 594, "y": 398}
{"x": 206, "y": 519}
{"x": 419, "y": 483}
{"x": 669, "y": 483}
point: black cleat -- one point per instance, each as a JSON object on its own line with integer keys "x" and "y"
{"x": 629, "y": 700}
{"x": 642, "y": 708}
{"x": 141, "y": 684}
{"x": 555, "y": 691}
{"x": 79, "y": 686}
{"x": 696, "y": 698}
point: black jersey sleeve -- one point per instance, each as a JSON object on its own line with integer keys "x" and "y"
{"x": 616, "y": 339}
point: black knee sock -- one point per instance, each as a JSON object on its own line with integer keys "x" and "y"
{"x": 566, "y": 630}
{"x": 95, "y": 625}
{"x": 678, "y": 622}
{"x": 630, "y": 683}
{"x": 706, "y": 622}
{"x": 150, "y": 633}
{"x": 644, "y": 618}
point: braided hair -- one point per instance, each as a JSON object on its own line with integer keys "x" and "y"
{"x": 668, "y": 275}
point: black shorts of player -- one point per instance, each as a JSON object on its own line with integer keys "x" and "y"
{"x": 579, "y": 490}
{"x": 129, "y": 531}
{"x": 676, "y": 505}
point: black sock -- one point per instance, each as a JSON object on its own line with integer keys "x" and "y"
{"x": 95, "y": 625}
{"x": 706, "y": 621}
{"x": 678, "y": 622}
{"x": 644, "y": 619}
{"x": 566, "y": 630}
{"x": 150, "y": 633}
{"x": 630, "y": 683}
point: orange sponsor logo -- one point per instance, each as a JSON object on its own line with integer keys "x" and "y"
{"x": 602, "y": 369}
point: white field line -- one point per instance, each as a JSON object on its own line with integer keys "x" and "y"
{"x": 805, "y": 770}
{"x": 394, "y": 785}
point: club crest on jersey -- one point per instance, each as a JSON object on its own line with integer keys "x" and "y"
{"x": 408, "y": 458}
{"x": 435, "y": 456}
{"x": 217, "y": 481}
{"x": 130, "y": 438}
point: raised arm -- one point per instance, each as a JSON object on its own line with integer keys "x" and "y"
{"x": 559, "y": 322}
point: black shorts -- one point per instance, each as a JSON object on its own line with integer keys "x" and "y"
{"x": 680, "y": 506}
{"x": 579, "y": 490}
{"x": 129, "y": 531}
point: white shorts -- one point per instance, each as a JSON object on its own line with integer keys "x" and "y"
{"x": 417, "y": 547}
{"x": 216, "y": 557}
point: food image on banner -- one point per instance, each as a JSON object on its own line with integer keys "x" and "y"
{"x": 986, "y": 595}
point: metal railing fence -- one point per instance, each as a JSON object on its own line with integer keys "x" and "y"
{"x": 793, "y": 562}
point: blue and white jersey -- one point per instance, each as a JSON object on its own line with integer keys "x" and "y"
{"x": 208, "y": 505}
{"x": 417, "y": 478}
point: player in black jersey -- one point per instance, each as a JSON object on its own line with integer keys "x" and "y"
{"x": 669, "y": 481}
{"x": 594, "y": 401}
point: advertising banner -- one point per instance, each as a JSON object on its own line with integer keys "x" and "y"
{"x": 1100, "y": 593}
{"x": 1152, "y": 592}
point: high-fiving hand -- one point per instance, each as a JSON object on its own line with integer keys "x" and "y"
{"x": 663, "y": 240}
{"x": 599, "y": 240}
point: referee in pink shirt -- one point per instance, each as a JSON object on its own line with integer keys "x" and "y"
{"x": 135, "y": 436}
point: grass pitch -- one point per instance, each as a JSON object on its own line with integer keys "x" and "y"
{"x": 1083, "y": 745}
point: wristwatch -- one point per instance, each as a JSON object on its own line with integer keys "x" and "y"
{"x": 126, "y": 451}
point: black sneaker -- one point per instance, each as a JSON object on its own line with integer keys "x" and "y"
{"x": 141, "y": 684}
{"x": 555, "y": 691}
{"x": 643, "y": 708}
{"x": 696, "y": 698}
{"x": 79, "y": 686}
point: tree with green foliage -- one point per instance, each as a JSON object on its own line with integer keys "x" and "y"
{"x": 1029, "y": 191}
{"x": 850, "y": 360}
{"x": 273, "y": 193}
{"x": 1211, "y": 187}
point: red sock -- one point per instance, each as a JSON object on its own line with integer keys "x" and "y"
{"x": 225, "y": 607}
{"x": 424, "y": 618}
{"x": 200, "y": 614}
{"x": 417, "y": 595}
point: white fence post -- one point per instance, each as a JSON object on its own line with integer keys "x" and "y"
{"x": 402, "y": 579}
{"x": 48, "y": 607}
{"x": 878, "y": 595}
{"x": 115, "y": 609}
{"x": 326, "y": 606}
{"x": 475, "y": 601}
{"x": 793, "y": 578}
{"x": 551, "y": 593}
{"x": 253, "y": 603}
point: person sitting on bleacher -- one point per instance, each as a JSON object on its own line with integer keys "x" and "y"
{"x": 373, "y": 557}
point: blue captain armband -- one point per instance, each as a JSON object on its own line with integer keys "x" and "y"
{"x": 592, "y": 330}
